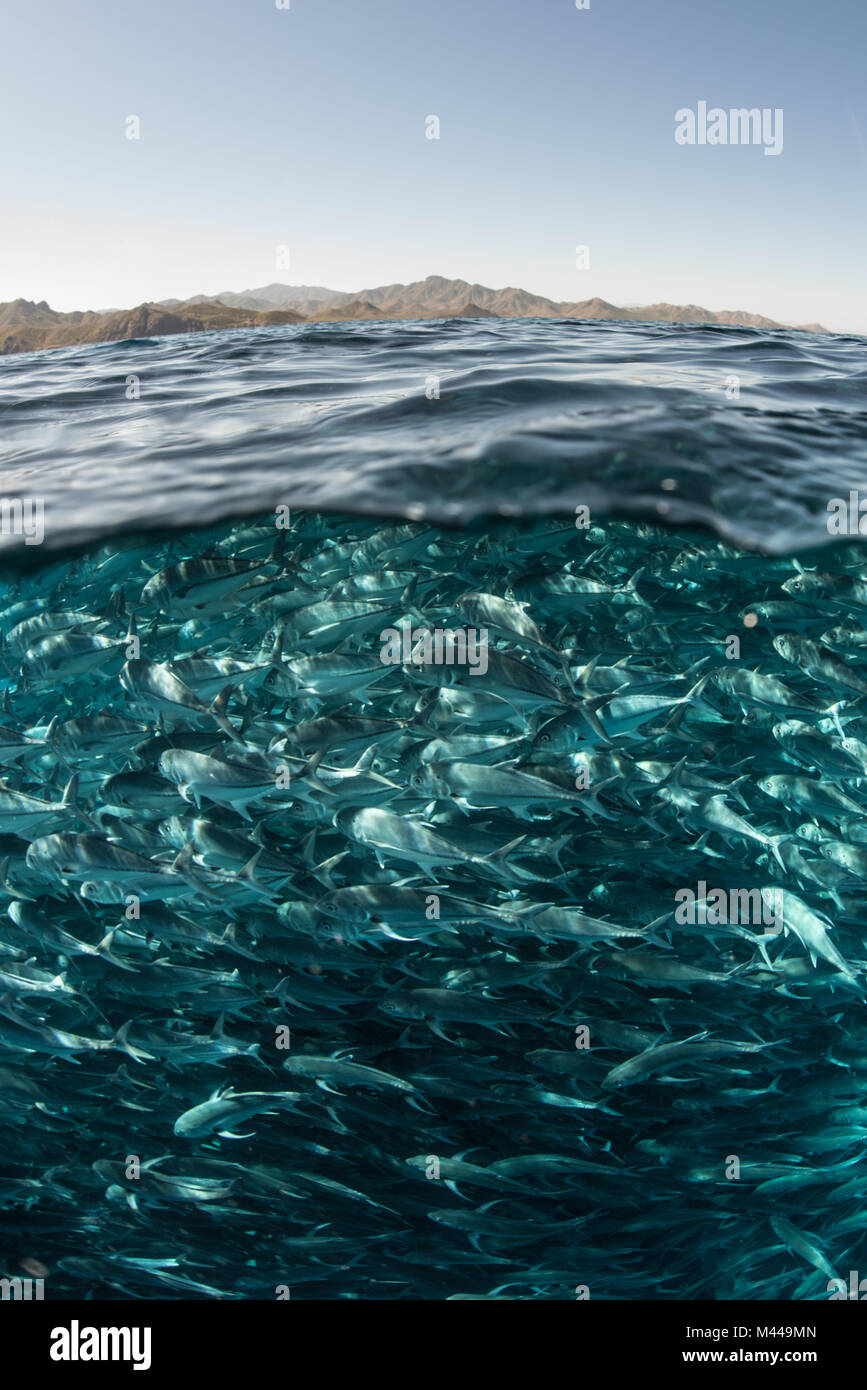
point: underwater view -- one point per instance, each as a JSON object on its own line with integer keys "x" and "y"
{"x": 432, "y": 838}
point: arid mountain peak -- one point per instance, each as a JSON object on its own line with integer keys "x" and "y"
{"x": 26, "y": 326}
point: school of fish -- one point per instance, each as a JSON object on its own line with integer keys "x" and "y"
{"x": 365, "y": 978}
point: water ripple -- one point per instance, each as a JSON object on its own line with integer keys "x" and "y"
{"x": 747, "y": 432}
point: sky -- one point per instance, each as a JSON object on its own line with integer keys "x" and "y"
{"x": 306, "y": 128}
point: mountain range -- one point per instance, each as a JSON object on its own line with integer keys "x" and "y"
{"x": 26, "y": 326}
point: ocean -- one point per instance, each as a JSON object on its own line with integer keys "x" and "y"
{"x": 432, "y": 854}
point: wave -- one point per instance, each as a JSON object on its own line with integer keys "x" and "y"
{"x": 746, "y": 432}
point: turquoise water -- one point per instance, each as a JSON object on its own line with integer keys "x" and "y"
{"x": 403, "y": 979}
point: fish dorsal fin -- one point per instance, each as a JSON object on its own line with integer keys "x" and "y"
{"x": 249, "y": 870}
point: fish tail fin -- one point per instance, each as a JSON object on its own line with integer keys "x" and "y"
{"x": 775, "y": 848}
{"x": 104, "y": 949}
{"x": 308, "y": 850}
{"x": 650, "y": 931}
{"x": 218, "y": 713}
{"x": 631, "y": 585}
{"x": 497, "y": 858}
{"x": 733, "y": 789}
{"x": 248, "y": 875}
{"x": 322, "y": 872}
{"x": 698, "y": 686}
{"x": 121, "y": 1040}
{"x": 282, "y": 995}
{"x": 588, "y": 710}
{"x": 586, "y": 673}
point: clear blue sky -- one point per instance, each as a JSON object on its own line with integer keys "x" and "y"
{"x": 306, "y": 127}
